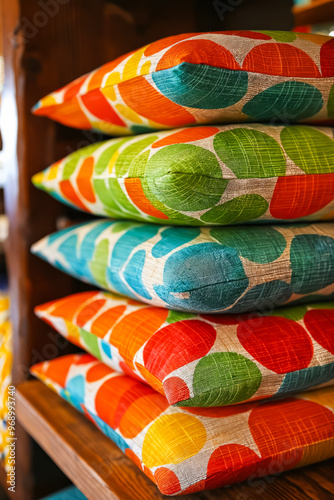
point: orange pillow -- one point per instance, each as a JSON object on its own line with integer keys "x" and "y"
{"x": 201, "y": 360}
{"x": 184, "y": 450}
{"x": 199, "y": 78}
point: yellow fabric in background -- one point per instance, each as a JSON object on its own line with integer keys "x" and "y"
{"x": 6, "y": 361}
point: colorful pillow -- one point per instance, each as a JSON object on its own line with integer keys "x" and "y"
{"x": 202, "y": 175}
{"x": 231, "y": 270}
{"x": 199, "y": 78}
{"x": 187, "y": 450}
{"x": 201, "y": 360}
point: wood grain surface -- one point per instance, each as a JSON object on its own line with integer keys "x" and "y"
{"x": 318, "y": 11}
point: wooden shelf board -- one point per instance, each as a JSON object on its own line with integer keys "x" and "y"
{"x": 318, "y": 11}
{"x": 101, "y": 471}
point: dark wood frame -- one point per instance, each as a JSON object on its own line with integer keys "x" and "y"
{"x": 318, "y": 11}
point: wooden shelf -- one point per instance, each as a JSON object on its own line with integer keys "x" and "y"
{"x": 318, "y": 11}
{"x": 101, "y": 471}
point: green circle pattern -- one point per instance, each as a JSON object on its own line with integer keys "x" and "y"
{"x": 258, "y": 244}
{"x": 224, "y": 378}
{"x": 241, "y": 209}
{"x": 250, "y": 153}
{"x": 310, "y": 149}
{"x": 185, "y": 185}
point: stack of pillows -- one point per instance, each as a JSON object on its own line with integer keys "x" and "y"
{"x": 220, "y": 190}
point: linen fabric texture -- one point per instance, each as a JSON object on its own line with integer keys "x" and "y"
{"x": 184, "y": 450}
{"x": 204, "y": 175}
{"x": 201, "y": 78}
{"x": 203, "y": 270}
{"x": 201, "y": 360}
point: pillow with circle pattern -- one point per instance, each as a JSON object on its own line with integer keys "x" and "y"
{"x": 184, "y": 450}
{"x": 202, "y": 360}
{"x": 218, "y": 269}
{"x": 202, "y": 175}
{"x": 199, "y": 78}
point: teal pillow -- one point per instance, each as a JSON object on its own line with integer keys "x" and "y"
{"x": 230, "y": 270}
